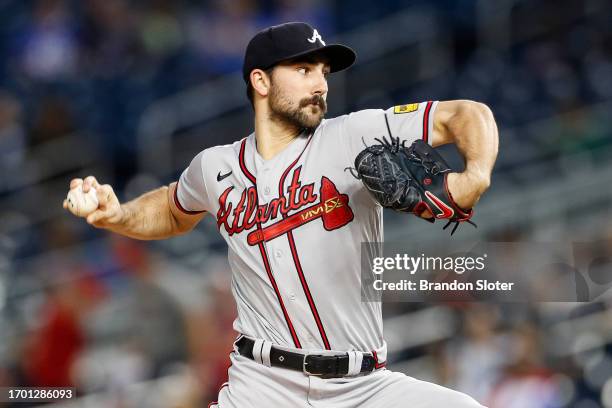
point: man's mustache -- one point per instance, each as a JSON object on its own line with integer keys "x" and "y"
{"x": 314, "y": 100}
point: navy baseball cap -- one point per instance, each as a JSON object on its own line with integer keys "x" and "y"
{"x": 290, "y": 40}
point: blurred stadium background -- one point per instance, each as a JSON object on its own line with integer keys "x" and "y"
{"x": 130, "y": 91}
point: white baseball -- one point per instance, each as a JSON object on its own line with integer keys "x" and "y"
{"x": 82, "y": 204}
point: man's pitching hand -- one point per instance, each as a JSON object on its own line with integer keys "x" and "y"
{"x": 109, "y": 211}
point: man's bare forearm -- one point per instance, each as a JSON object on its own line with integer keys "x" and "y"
{"x": 472, "y": 128}
{"x": 153, "y": 215}
{"x": 476, "y": 138}
{"x": 147, "y": 217}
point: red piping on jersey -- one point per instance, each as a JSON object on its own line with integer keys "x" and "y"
{"x": 311, "y": 302}
{"x": 178, "y": 204}
{"x": 296, "y": 258}
{"x": 426, "y": 122}
{"x": 262, "y": 250}
{"x": 264, "y": 256}
{"x": 243, "y": 166}
{"x": 378, "y": 365}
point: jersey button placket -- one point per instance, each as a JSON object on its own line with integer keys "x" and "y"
{"x": 263, "y": 186}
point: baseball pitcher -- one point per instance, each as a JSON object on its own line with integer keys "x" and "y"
{"x": 294, "y": 200}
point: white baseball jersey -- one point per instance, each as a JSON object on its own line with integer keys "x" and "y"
{"x": 294, "y": 225}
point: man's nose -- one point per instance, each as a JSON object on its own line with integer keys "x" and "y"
{"x": 321, "y": 85}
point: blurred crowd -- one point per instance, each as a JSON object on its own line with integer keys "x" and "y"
{"x": 511, "y": 357}
{"x": 114, "y": 312}
{"x": 118, "y": 315}
{"x": 95, "y": 65}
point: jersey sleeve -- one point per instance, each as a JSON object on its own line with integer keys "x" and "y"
{"x": 190, "y": 195}
{"x": 408, "y": 122}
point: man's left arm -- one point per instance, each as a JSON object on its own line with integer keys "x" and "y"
{"x": 471, "y": 127}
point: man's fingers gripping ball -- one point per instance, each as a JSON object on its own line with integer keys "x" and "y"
{"x": 97, "y": 203}
{"x": 89, "y": 182}
{"x": 75, "y": 182}
{"x": 81, "y": 203}
{"x": 109, "y": 209}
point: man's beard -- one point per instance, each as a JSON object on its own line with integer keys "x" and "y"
{"x": 301, "y": 117}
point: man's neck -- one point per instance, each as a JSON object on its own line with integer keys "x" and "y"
{"x": 273, "y": 136}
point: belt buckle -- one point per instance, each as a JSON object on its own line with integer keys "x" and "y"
{"x": 305, "y": 363}
{"x": 336, "y": 360}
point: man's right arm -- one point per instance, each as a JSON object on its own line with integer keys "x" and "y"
{"x": 153, "y": 215}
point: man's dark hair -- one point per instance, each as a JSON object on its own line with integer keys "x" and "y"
{"x": 250, "y": 90}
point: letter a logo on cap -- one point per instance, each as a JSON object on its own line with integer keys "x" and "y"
{"x": 316, "y": 36}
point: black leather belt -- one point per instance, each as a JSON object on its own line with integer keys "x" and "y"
{"x": 324, "y": 366}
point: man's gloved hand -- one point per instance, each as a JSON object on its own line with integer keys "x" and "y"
{"x": 409, "y": 179}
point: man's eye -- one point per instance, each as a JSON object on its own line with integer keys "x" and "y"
{"x": 303, "y": 70}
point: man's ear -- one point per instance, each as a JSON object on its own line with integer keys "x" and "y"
{"x": 260, "y": 82}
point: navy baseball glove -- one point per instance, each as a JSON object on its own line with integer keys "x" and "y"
{"x": 409, "y": 179}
